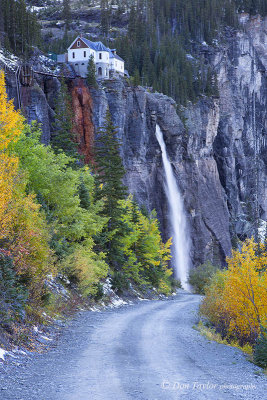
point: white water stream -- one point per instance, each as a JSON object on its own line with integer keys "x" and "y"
{"x": 177, "y": 217}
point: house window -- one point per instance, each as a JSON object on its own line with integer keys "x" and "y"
{"x": 84, "y": 54}
{"x": 73, "y": 55}
{"x": 99, "y": 71}
{"x": 106, "y": 72}
{"x": 100, "y": 56}
{"x": 78, "y": 43}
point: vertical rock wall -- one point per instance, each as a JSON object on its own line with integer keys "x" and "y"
{"x": 135, "y": 112}
{"x": 217, "y": 146}
{"x": 240, "y": 145}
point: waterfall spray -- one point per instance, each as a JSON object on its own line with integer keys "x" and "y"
{"x": 181, "y": 239}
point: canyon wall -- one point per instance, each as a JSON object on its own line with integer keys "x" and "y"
{"x": 217, "y": 146}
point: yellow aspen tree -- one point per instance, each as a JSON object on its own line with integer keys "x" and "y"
{"x": 11, "y": 121}
{"x": 11, "y": 125}
{"x": 245, "y": 290}
{"x": 22, "y": 224}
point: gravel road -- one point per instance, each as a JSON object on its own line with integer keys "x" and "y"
{"x": 145, "y": 351}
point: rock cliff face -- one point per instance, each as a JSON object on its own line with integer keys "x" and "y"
{"x": 190, "y": 148}
{"x": 37, "y": 101}
{"x": 217, "y": 146}
{"x": 240, "y": 144}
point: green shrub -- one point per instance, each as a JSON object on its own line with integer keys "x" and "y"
{"x": 175, "y": 284}
{"x": 260, "y": 350}
{"x": 200, "y": 276}
{"x": 85, "y": 268}
{"x": 119, "y": 282}
{"x": 99, "y": 291}
{"x": 12, "y": 294}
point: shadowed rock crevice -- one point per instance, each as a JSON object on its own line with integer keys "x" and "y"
{"x": 82, "y": 117}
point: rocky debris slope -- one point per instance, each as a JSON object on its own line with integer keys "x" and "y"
{"x": 85, "y": 18}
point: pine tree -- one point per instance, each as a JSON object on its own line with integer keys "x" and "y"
{"x": 260, "y": 350}
{"x": 63, "y": 138}
{"x": 1, "y": 24}
{"x": 105, "y": 17}
{"x": 161, "y": 34}
{"x": 91, "y": 72}
{"x": 66, "y": 13}
{"x": 12, "y": 294}
{"x": 84, "y": 195}
{"x": 110, "y": 189}
{"x": 21, "y": 28}
{"x": 136, "y": 78}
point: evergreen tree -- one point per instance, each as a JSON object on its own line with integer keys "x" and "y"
{"x": 163, "y": 37}
{"x": 66, "y": 13}
{"x": 105, "y": 17}
{"x": 1, "y": 24}
{"x": 252, "y": 6}
{"x": 110, "y": 189}
{"x": 21, "y": 27}
{"x": 84, "y": 195}
{"x": 12, "y": 294}
{"x": 91, "y": 72}
{"x": 136, "y": 78}
{"x": 260, "y": 350}
{"x": 63, "y": 138}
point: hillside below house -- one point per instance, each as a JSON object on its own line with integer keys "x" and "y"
{"x": 107, "y": 62}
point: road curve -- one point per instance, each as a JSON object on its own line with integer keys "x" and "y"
{"x": 146, "y": 351}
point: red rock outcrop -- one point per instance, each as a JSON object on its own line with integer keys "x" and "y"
{"x": 83, "y": 124}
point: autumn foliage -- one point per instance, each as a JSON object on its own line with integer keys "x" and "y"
{"x": 11, "y": 124}
{"x": 23, "y": 231}
{"x": 236, "y": 299}
{"x": 52, "y": 221}
{"x": 145, "y": 253}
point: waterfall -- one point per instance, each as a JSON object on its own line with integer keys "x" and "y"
{"x": 177, "y": 218}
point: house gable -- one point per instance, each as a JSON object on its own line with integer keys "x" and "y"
{"x": 74, "y": 45}
{"x": 106, "y": 60}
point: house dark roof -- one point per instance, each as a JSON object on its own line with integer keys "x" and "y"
{"x": 100, "y": 46}
{"x": 118, "y": 57}
{"x": 97, "y": 46}
{"x": 114, "y": 55}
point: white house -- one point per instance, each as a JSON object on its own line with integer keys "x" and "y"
{"x": 116, "y": 62}
{"x": 107, "y": 62}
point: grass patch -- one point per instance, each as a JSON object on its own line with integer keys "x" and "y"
{"x": 211, "y": 334}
